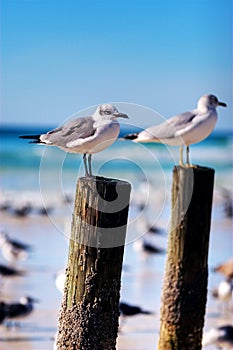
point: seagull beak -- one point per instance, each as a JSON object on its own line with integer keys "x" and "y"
{"x": 223, "y": 104}
{"x": 120, "y": 115}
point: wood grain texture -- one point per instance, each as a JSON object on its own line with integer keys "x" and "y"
{"x": 90, "y": 307}
{"x": 184, "y": 292}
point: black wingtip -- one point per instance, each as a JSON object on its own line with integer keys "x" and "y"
{"x": 131, "y": 136}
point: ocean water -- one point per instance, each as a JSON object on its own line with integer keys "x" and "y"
{"x": 22, "y": 162}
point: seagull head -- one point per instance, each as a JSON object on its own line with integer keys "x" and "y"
{"x": 27, "y": 300}
{"x": 107, "y": 111}
{"x": 209, "y": 102}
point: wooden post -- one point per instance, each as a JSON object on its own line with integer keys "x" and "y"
{"x": 184, "y": 292}
{"x": 90, "y": 307}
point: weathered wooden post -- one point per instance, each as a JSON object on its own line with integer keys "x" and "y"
{"x": 90, "y": 307}
{"x": 184, "y": 292}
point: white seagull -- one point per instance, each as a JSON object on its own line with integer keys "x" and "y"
{"x": 85, "y": 135}
{"x": 21, "y": 309}
{"x": 184, "y": 129}
{"x": 223, "y": 292}
{"x": 13, "y": 250}
{"x": 220, "y": 336}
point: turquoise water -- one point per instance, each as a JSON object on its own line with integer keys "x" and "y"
{"x": 24, "y": 164}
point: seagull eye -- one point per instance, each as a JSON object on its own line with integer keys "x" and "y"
{"x": 214, "y": 99}
{"x": 108, "y": 112}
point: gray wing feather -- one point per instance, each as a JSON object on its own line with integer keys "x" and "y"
{"x": 78, "y": 128}
{"x": 168, "y": 129}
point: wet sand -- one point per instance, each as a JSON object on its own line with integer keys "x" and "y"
{"x": 141, "y": 284}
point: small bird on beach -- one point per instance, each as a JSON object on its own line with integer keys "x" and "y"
{"x": 227, "y": 202}
{"x": 222, "y": 337}
{"x": 183, "y": 129}
{"x": 21, "y": 210}
{"x": 5, "y": 204}
{"x": 147, "y": 247}
{"x": 6, "y": 271}
{"x": 132, "y": 310}
{"x": 127, "y": 310}
{"x": 13, "y": 250}
{"x": 9, "y": 272}
{"x": 223, "y": 292}
{"x": 85, "y": 135}
{"x": 21, "y": 309}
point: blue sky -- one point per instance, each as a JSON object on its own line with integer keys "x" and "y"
{"x": 60, "y": 56}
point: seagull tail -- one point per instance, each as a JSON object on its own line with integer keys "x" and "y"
{"x": 20, "y": 273}
{"x": 131, "y": 136}
{"x": 35, "y": 138}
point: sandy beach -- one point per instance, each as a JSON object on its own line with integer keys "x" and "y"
{"x": 142, "y": 278}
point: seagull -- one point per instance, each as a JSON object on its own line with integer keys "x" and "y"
{"x": 6, "y": 271}
{"x": 85, "y": 135}
{"x": 145, "y": 245}
{"x": 19, "y": 310}
{"x": 183, "y": 129}
{"x": 220, "y": 336}
{"x": 132, "y": 310}
{"x": 5, "y": 204}
{"x": 13, "y": 250}
{"x": 127, "y": 310}
{"x": 228, "y": 203}
{"x": 21, "y": 209}
{"x": 223, "y": 292}
{"x": 9, "y": 272}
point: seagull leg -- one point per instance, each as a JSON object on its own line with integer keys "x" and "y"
{"x": 85, "y": 164}
{"x": 89, "y": 164}
{"x": 181, "y": 156}
{"x": 187, "y": 157}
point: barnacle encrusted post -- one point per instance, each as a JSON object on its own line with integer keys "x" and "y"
{"x": 185, "y": 282}
{"x": 90, "y": 307}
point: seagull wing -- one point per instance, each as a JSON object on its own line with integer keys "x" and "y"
{"x": 78, "y": 128}
{"x": 169, "y": 128}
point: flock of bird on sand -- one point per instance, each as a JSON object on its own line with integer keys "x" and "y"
{"x": 14, "y": 251}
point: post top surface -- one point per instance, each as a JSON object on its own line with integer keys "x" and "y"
{"x": 195, "y": 168}
{"x": 106, "y": 180}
